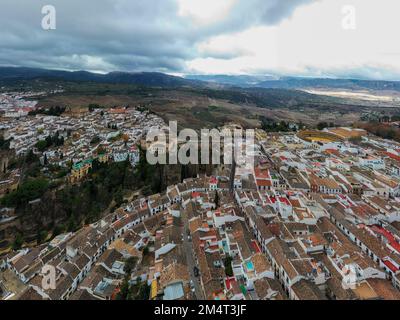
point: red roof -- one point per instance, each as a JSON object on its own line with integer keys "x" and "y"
{"x": 212, "y": 233}
{"x": 117, "y": 110}
{"x": 284, "y": 200}
{"x": 255, "y": 246}
{"x": 195, "y": 194}
{"x": 229, "y": 282}
{"x": 115, "y": 293}
{"x": 213, "y": 247}
{"x": 392, "y": 155}
{"x": 275, "y": 229}
{"x": 261, "y": 173}
{"x": 332, "y": 151}
{"x": 264, "y": 183}
{"x": 295, "y": 202}
{"x": 392, "y": 241}
{"x": 390, "y": 265}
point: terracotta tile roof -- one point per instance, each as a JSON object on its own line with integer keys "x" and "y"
{"x": 174, "y": 272}
{"x": 307, "y": 290}
{"x": 260, "y": 263}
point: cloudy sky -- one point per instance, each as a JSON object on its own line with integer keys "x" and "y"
{"x": 334, "y": 38}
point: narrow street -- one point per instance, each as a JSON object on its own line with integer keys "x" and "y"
{"x": 190, "y": 259}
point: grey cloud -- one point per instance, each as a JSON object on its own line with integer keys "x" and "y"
{"x": 120, "y": 34}
{"x": 280, "y": 9}
{"x": 261, "y": 12}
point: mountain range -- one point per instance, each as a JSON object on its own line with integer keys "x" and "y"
{"x": 298, "y": 82}
{"x": 151, "y": 79}
{"x": 156, "y": 79}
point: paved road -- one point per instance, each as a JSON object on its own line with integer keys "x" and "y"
{"x": 190, "y": 258}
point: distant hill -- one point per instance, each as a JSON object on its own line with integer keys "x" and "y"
{"x": 239, "y": 81}
{"x": 297, "y": 82}
{"x": 153, "y": 79}
{"x": 351, "y": 84}
{"x": 157, "y": 79}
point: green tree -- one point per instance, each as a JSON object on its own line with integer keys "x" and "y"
{"x": 146, "y": 251}
{"x": 72, "y": 224}
{"x": 143, "y": 292}
{"x": 41, "y": 145}
{"x": 29, "y": 190}
{"x": 31, "y": 157}
{"x": 322, "y": 125}
{"x": 228, "y": 266}
{"x": 58, "y": 229}
{"x": 130, "y": 265}
{"x": 42, "y": 236}
{"x": 4, "y": 144}
{"x": 93, "y": 106}
{"x": 216, "y": 199}
{"x": 95, "y": 140}
{"x": 119, "y": 196}
{"x": 18, "y": 241}
{"x": 124, "y": 290}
